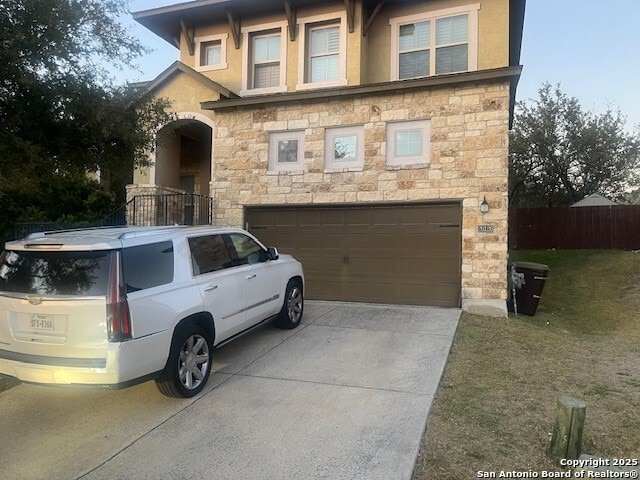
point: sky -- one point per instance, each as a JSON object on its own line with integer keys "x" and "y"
{"x": 589, "y": 47}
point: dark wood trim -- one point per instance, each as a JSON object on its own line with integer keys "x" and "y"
{"x": 372, "y": 17}
{"x": 290, "y": 12}
{"x": 350, "y": 6}
{"x": 234, "y": 25}
{"x": 187, "y": 31}
{"x": 505, "y": 73}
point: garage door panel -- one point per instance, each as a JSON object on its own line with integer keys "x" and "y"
{"x": 333, "y": 218}
{"x": 359, "y": 218}
{"x": 262, "y": 219}
{"x": 308, "y": 219}
{"x": 443, "y": 214}
{"x": 407, "y": 254}
{"x": 284, "y": 219}
{"x": 384, "y": 218}
{"x": 413, "y": 216}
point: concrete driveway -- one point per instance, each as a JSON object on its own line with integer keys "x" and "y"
{"x": 344, "y": 396}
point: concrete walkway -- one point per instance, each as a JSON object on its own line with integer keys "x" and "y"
{"x": 344, "y": 396}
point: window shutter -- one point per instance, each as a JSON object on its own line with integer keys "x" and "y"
{"x": 452, "y": 59}
{"x": 333, "y": 40}
{"x": 318, "y": 41}
{"x": 414, "y": 35}
{"x": 452, "y": 30}
{"x": 266, "y": 75}
{"x": 414, "y": 64}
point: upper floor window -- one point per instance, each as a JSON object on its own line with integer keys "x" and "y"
{"x": 211, "y": 52}
{"x": 323, "y": 48}
{"x": 324, "y": 54}
{"x": 434, "y": 43}
{"x": 264, "y": 59}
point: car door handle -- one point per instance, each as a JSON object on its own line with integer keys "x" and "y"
{"x": 210, "y": 288}
{"x": 249, "y": 277}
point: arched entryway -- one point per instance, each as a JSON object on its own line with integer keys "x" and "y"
{"x": 183, "y": 154}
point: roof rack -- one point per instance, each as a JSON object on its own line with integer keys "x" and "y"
{"x": 150, "y": 231}
{"x": 55, "y": 232}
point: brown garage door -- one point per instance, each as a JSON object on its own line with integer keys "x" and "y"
{"x": 407, "y": 254}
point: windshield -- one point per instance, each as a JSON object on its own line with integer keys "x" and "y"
{"x": 55, "y": 273}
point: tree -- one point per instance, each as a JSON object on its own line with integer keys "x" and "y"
{"x": 560, "y": 153}
{"x": 61, "y": 115}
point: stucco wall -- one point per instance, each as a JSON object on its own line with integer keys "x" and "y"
{"x": 469, "y": 155}
{"x": 368, "y": 58}
{"x": 493, "y": 35}
{"x": 185, "y": 94}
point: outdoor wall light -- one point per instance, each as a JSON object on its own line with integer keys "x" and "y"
{"x": 484, "y": 206}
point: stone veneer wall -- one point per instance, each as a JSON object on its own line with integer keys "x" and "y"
{"x": 469, "y": 161}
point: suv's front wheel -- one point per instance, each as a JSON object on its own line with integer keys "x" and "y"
{"x": 189, "y": 363}
{"x": 293, "y": 307}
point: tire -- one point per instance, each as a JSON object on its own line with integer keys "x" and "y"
{"x": 189, "y": 363}
{"x": 293, "y": 306}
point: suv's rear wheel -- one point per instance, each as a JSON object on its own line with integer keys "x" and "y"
{"x": 189, "y": 363}
{"x": 293, "y": 307}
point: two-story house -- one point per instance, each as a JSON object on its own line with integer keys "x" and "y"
{"x": 369, "y": 138}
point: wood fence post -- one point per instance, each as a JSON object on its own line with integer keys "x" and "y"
{"x": 566, "y": 440}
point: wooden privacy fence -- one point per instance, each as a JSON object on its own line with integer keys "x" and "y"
{"x": 600, "y": 228}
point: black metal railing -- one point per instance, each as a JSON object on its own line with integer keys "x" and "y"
{"x": 170, "y": 209}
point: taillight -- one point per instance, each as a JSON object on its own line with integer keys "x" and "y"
{"x": 118, "y": 317}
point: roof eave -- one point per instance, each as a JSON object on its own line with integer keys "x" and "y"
{"x": 511, "y": 73}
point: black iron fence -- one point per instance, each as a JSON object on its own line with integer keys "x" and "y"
{"x": 142, "y": 210}
{"x": 170, "y": 209}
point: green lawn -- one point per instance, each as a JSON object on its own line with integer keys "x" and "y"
{"x": 496, "y": 404}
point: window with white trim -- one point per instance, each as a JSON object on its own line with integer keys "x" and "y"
{"x": 344, "y": 148}
{"x": 264, "y": 58}
{"x": 408, "y": 143}
{"x": 323, "y": 46}
{"x": 434, "y": 43}
{"x": 324, "y": 54}
{"x": 211, "y": 52}
{"x": 286, "y": 151}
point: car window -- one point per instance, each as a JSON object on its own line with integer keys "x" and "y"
{"x": 209, "y": 254}
{"x": 247, "y": 250}
{"x": 147, "y": 266}
{"x": 55, "y": 273}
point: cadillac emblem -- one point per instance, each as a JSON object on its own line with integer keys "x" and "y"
{"x": 34, "y": 300}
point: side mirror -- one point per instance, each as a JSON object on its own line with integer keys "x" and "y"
{"x": 273, "y": 253}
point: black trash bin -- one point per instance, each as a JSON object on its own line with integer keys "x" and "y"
{"x": 528, "y": 295}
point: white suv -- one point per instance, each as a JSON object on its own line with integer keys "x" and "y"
{"x": 120, "y": 306}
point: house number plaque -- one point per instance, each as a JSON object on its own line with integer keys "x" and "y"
{"x": 485, "y": 228}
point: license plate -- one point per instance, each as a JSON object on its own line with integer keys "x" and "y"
{"x": 40, "y": 321}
